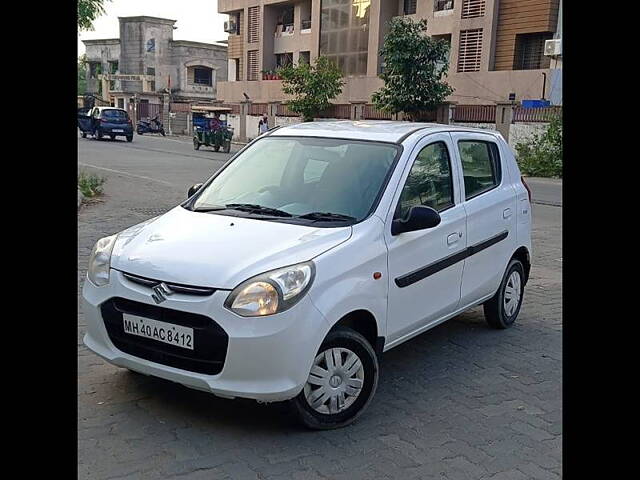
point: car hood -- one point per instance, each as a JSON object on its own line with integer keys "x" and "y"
{"x": 219, "y": 251}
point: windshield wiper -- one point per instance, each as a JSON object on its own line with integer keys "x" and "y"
{"x": 318, "y": 216}
{"x": 208, "y": 208}
{"x": 252, "y": 208}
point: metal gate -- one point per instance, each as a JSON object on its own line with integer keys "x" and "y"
{"x": 145, "y": 111}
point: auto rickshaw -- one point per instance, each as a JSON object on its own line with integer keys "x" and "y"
{"x": 204, "y": 118}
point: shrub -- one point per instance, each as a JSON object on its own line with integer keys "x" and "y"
{"x": 541, "y": 154}
{"x": 90, "y": 185}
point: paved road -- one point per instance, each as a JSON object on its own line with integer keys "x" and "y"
{"x": 461, "y": 401}
{"x": 546, "y": 191}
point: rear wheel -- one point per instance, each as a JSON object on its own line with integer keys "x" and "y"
{"x": 502, "y": 309}
{"x": 196, "y": 144}
{"x": 341, "y": 384}
{"x": 227, "y": 146}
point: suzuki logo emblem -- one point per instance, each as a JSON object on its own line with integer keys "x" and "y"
{"x": 161, "y": 292}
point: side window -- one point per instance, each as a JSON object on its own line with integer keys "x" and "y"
{"x": 429, "y": 182}
{"x": 480, "y": 166}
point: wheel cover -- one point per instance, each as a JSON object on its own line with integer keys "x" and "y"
{"x": 512, "y": 293}
{"x": 335, "y": 381}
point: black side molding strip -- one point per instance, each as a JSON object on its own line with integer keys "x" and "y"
{"x": 424, "y": 272}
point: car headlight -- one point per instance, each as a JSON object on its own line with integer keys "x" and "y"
{"x": 271, "y": 292}
{"x": 100, "y": 261}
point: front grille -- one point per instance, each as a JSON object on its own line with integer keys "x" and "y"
{"x": 176, "y": 287}
{"x": 210, "y": 340}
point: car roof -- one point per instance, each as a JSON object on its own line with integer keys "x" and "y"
{"x": 376, "y": 130}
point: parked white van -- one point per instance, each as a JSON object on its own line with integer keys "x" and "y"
{"x": 313, "y": 250}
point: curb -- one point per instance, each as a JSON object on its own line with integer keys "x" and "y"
{"x": 80, "y": 198}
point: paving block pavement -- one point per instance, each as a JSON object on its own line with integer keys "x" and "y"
{"x": 461, "y": 401}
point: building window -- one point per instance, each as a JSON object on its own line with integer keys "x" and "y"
{"x": 152, "y": 86}
{"x": 344, "y": 34}
{"x": 284, "y": 59}
{"x": 470, "y": 51}
{"x": 305, "y": 57}
{"x": 151, "y": 71}
{"x": 253, "y": 31}
{"x": 202, "y": 76}
{"x": 95, "y": 69}
{"x": 113, "y": 66}
{"x": 151, "y": 45}
{"x": 121, "y": 103}
{"x": 410, "y": 7}
{"x": 473, "y": 8}
{"x": 529, "y": 52}
{"x": 440, "y": 5}
{"x": 252, "y": 65}
{"x": 234, "y": 20}
{"x": 284, "y": 24}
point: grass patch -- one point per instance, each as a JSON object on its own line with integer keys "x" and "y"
{"x": 90, "y": 185}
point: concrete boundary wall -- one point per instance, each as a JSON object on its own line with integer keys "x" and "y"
{"x": 518, "y": 132}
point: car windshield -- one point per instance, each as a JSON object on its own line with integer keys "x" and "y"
{"x": 309, "y": 179}
{"x": 114, "y": 114}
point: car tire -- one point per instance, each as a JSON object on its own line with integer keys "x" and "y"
{"x": 129, "y": 138}
{"x": 354, "y": 390}
{"x": 502, "y": 309}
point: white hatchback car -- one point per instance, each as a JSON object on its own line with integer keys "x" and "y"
{"x": 313, "y": 250}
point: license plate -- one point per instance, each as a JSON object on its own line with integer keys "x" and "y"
{"x": 117, "y": 130}
{"x": 160, "y": 331}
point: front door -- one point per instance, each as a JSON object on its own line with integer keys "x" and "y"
{"x": 425, "y": 267}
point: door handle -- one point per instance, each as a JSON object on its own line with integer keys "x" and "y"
{"x": 506, "y": 213}
{"x": 453, "y": 238}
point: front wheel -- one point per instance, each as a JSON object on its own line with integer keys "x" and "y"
{"x": 227, "y": 146}
{"x": 196, "y": 144}
{"x": 502, "y": 309}
{"x": 139, "y": 131}
{"x": 341, "y": 384}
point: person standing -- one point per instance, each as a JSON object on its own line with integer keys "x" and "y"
{"x": 263, "y": 124}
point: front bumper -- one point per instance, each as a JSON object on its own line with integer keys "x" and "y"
{"x": 267, "y": 359}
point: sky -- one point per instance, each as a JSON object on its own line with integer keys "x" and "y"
{"x": 197, "y": 20}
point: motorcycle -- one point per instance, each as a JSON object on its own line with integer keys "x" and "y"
{"x": 150, "y": 126}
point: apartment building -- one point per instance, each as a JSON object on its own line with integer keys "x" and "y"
{"x": 145, "y": 62}
{"x": 497, "y": 47}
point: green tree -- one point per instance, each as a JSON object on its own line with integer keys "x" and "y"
{"x": 414, "y": 67}
{"x": 312, "y": 86}
{"x": 88, "y": 11}
{"x": 82, "y": 74}
{"x": 541, "y": 154}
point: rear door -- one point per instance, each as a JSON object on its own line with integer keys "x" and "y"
{"x": 425, "y": 267}
{"x": 491, "y": 207}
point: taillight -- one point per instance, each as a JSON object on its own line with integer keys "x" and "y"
{"x": 527, "y": 187}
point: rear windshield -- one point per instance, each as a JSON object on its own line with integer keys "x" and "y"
{"x": 114, "y": 114}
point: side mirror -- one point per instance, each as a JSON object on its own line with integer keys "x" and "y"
{"x": 418, "y": 218}
{"x": 193, "y": 189}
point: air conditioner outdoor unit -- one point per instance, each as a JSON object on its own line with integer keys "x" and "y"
{"x": 230, "y": 26}
{"x": 553, "y": 47}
